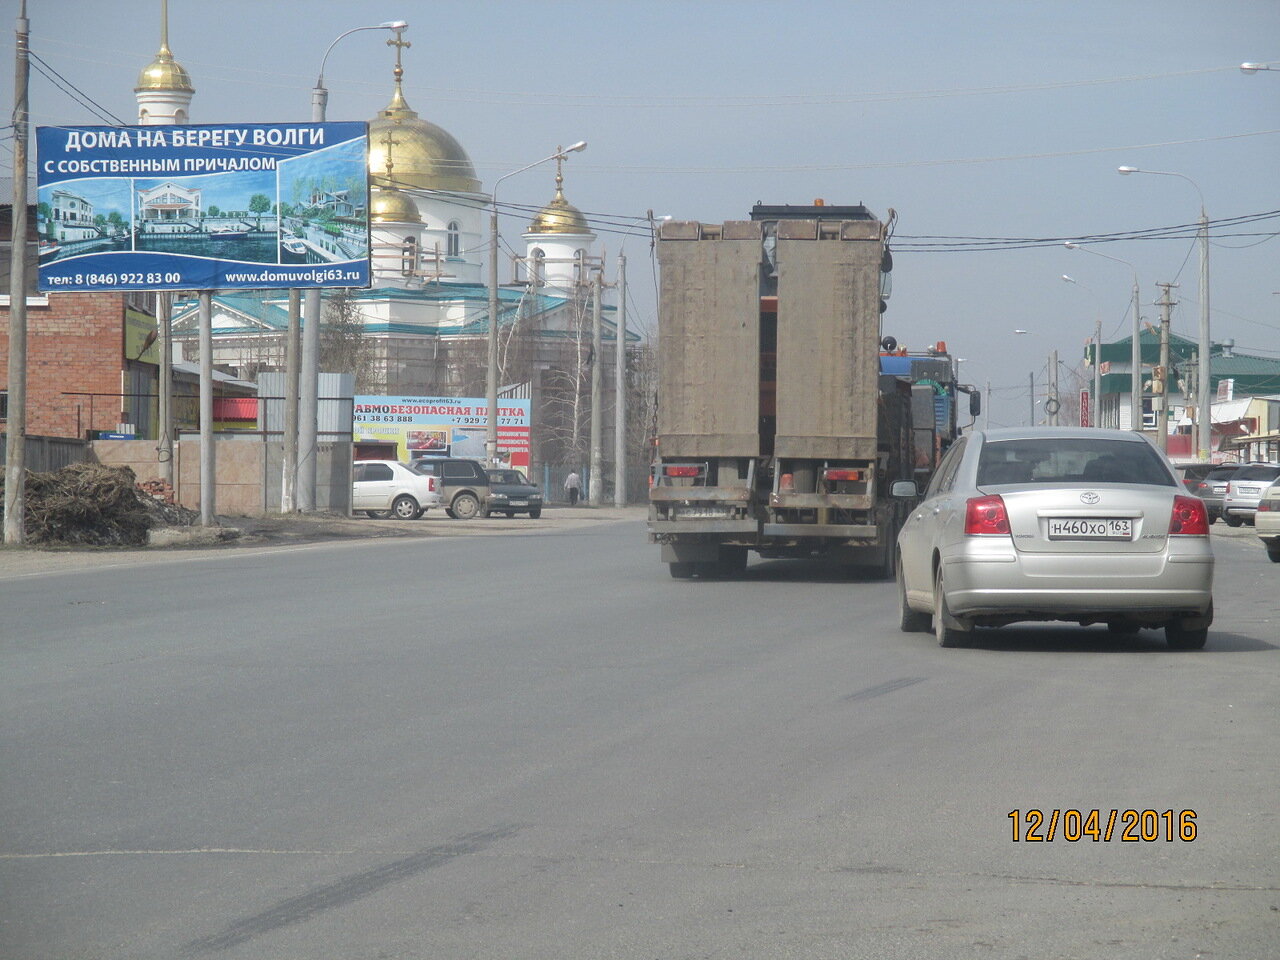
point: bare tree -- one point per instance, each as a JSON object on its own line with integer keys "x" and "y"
{"x": 344, "y": 348}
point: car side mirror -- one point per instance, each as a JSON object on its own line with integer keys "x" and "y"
{"x": 903, "y": 490}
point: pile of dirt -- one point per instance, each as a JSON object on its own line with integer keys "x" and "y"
{"x": 90, "y": 504}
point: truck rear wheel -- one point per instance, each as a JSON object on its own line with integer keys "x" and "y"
{"x": 681, "y": 569}
{"x": 733, "y": 561}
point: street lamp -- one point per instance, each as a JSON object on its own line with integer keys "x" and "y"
{"x": 1204, "y": 399}
{"x": 1255, "y": 67}
{"x": 309, "y": 381}
{"x": 1095, "y": 413}
{"x": 491, "y": 379}
{"x": 1135, "y": 391}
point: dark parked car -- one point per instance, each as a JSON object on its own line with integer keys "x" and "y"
{"x": 1214, "y": 487}
{"x": 511, "y": 493}
{"x": 463, "y": 484}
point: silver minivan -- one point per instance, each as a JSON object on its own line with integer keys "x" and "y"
{"x": 1244, "y": 490}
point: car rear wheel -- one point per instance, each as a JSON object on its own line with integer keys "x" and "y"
{"x": 948, "y": 636}
{"x": 1232, "y": 520}
{"x": 1180, "y": 638}
{"x": 465, "y": 506}
{"x": 1273, "y": 551}
{"x": 911, "y": 621}
{"x": 405, "y": 507}
{"x": 378, "y": 514}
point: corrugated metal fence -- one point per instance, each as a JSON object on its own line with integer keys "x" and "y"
{"x": 44, "y": 454}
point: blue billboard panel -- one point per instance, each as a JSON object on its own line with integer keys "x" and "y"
{"x": 203, "y": 207}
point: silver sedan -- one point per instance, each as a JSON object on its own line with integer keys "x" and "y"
{"x": 1081, "y": 525}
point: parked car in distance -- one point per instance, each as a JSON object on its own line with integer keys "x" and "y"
{"x": 1267, "y": 521}
{"x": 1244, "y": 490}
{"x": 511, "y": 493}
{"x": 1192, "y": 472}
{"x": 1059, "y": 523}
{"x": 1214, "y": 487}
{"x": 463, "y": 484}
{"x": 383, "y": 488}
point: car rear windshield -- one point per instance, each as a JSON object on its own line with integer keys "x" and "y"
{"x": 1070, "y": 460}
{"x": 1222, "y": 473}
{"x": 1257, "y": 472}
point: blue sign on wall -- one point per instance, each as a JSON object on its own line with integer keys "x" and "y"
{"x": 204, "y": 207}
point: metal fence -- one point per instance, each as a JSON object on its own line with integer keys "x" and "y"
{"x": 44, "y": 454}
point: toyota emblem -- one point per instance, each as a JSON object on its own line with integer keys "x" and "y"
{"x": 1089, "y": 497}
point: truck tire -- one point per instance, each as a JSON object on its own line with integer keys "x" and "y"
{"x": 732, "y": 562}
{"x": 910, "y": 621}
{"x": 681, "y": 569}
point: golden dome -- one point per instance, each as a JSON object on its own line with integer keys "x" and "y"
{"x": 389, "y": 205}
{"x": 164, "y": 73}
{"x": 559, "y": 216}
{"x": 425, "y": 156}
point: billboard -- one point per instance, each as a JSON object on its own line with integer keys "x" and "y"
{"x": 203, "y": 207}
{"x": 443, "y": 426}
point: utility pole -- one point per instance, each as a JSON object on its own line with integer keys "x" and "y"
{"x": 1135, "y": 386}
{"x": 596, "y": 492}
{"x": 208, "y": 456}
{"x": 620, "y": 391}
{"x": 1160, "y": 385}
{"x": 1031, "y": 399}
{"x": 1053, "y": 389}
{"x": 987, "y": 407}
{"x": 1095, "y": 415}
{"x": 289, "y": 484}
{"x": 15, "y": 471}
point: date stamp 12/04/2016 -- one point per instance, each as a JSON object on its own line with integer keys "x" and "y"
{"x": 1103, "y": 826}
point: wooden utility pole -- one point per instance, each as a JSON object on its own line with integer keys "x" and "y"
{"x": 595, "y": 493}
{"x": 620, "y": 390}
{"x": 1160, "y": 384}
{"x": 15, "y": 471}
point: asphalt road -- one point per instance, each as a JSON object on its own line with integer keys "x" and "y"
{"x": 539, "y": 745}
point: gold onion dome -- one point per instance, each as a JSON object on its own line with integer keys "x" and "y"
{"x": 389, "y": 205}
{"x": 426, "y": 156}
{"x": 559, "y": 216}
{"x": 164, "y": 73}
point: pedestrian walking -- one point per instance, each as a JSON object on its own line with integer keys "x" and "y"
{"x": 573, "y": 487}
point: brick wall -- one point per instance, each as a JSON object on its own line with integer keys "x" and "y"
{"x": 74, "y": 344}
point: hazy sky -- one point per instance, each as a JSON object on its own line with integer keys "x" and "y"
{"x": 980, "y": 119}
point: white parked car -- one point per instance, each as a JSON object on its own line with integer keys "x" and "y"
{"x": 1074, "y": 524}
{"x": 383, "y": 488}
{"x": 1267, "y": 521}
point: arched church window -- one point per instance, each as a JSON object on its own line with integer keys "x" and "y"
{"x": 180, "y": 116}
{"x": 537, "y": 267}
{"x": 453, "y": 242}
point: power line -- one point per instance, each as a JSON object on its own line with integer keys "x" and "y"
{"x": 69, "y": 88}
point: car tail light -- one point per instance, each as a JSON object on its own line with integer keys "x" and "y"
{"x": 1202, "y": 485}
{"x": 431, "y": 484}
{"x": 842, "y": 475}
{"x": 985, "y": 516}
{"x": 681, "y": 471}
{"x": 1189, "y": 518}
{"x": 1264, "y": 506}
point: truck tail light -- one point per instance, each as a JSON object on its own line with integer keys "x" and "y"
{"x": 842, "y": 475}
{"x": 687, "y": 471}
{"x": 986, "y": 516}
{"x": 1189, "y": 518}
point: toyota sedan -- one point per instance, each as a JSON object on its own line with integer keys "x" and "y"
{"x": 1072, "y": 524}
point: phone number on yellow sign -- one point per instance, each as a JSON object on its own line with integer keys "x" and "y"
{"x": 1127, "y": 826}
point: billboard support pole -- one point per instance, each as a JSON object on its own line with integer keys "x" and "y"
{"x": 208, "y": 460}
{"x": 289, "y": 486}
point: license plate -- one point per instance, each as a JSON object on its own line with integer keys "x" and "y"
{"x": 703, "y": 513}
{"x": 1080, "y": 528}
{"x": 519, "y": 503}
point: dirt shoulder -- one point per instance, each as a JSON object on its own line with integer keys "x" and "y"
{"x": 237, "y": 533}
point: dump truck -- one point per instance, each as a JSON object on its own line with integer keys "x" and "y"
{"x": 776, "y": 430}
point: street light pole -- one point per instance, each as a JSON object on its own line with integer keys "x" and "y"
{"x": 491, "y": 376}
{"x": 309, "y": 378}
{"x": 1097, "y": 351}
{"x": 1204, "y": 398}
